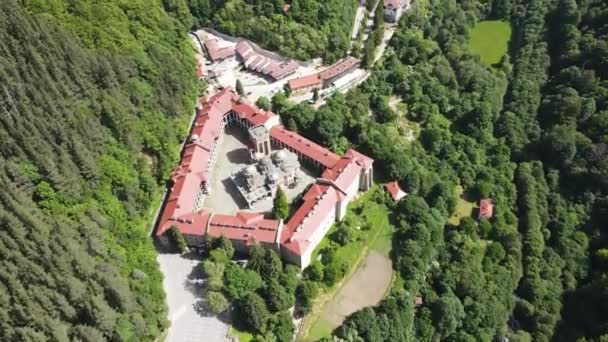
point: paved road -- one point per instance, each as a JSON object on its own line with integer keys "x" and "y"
{"x": 185, "y": 295}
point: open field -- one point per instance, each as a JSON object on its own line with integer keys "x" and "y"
{"x": 370, "y": 276}
{"x": 464, "y": 207}
{"x": 366, "y": 287}
{"x": 490, "y": 39}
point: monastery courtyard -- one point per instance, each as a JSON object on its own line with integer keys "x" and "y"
{"x": 233, "y": 155}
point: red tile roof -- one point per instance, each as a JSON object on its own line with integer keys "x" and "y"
{"x": 217, "y": 53}
{"x": 244, "y": 226}
{"x": 395, "y": 191}
{"x": 319, "y": 201}
{"x": 392, "y": 3}
{"x": 340, "y": 67}
{"x": 194, "y": 166}
{"x": 250, "y": 113}
{"x": 255, "y": 61}
{"x": 486, "y": 208}
{"x": 304, "y": 82}
{"x": 304, "y": 146}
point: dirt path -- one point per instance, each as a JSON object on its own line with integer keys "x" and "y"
{"x": 366, "y": 287}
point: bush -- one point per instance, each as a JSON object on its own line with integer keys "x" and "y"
{"x": 343, "y": 235}
{"x": 253, "y": 312}
{"x": 334, "y": 272}
{"x": 280, "y": 208}
{"x": 177, "y": 239}
{"x": 314, "y": 272}
{"x": 217, "y": 302}
{"x": 223, "y": 243}
{"x": 306, "y": 293}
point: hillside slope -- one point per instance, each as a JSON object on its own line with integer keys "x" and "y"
{"x": 77, "y": 114}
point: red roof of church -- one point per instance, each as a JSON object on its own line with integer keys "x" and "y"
{"x": 395, "y": 191}
{"x": 486, "y": 208}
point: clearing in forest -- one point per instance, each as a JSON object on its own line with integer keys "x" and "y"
{"x": 366, "y": 287}
{"x": 372, "y": 276}
{"x": 464, "y": 207}
{"x": 490, "y": 39}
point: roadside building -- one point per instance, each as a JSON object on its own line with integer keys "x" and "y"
{"x": 271, "y": 67}
{"x": 338, "y": 69}
{"x": 393, "y": 9}
{"x": 324, "y": 78}
{"x": 305, "y": 84}
{"x": 217, "y": 53}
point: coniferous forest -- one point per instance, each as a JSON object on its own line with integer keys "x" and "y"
{"x": 95, "y": 97}
{"x": 93, "y": 94}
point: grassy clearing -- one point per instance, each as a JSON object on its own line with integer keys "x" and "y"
{"x": 241, "y": 336}
{"x": 464, "y": 207}
{"x": 490, "y": 39}
{"x": 320, "y": 329}
{"x": 375, "y": 234}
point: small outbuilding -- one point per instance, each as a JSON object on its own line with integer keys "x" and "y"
{"x": 395, "y": 191}
{"x": 486, "y": 208}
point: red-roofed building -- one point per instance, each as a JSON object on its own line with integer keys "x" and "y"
{"x": 305, "y": 83}
{"x": 323, "y": 78}
{"x": 394, "y": 190}
{"x": 323, "y": 204}
{"x": 317, "y": 155}
{"x": 245, "y": 229}
{"x": 418, "y": 301}
{"x": 217, "y": 53}
{"x": 271, "y": 67}
{"x": 393, "y": 9}
{"x": 338, "y": 69}
{"x": 486, "y": 208}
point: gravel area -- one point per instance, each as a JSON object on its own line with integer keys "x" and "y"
{"x": 365, "y": 288}
{"x": 186, "y": 300}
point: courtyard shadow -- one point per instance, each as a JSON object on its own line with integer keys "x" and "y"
{"x": 238, "y": 156}
{"x": 231, "y": 189}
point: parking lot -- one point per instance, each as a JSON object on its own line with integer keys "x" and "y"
{"x": 186, "y": 294}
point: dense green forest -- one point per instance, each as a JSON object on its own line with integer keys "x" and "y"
{"x": 529, "y": 132}
{"x": 93, "y": 98}
{"x": 309, "y": 28}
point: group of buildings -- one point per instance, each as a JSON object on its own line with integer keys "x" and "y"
{"x": 253, "y": 59}
{"x": 277, "y": 153}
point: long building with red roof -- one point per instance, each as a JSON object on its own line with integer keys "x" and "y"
{"x": 324, "y": 78}
{"x": 323, "y": 204}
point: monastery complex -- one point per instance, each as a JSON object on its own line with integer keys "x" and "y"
{"x": 276, "y": 154}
